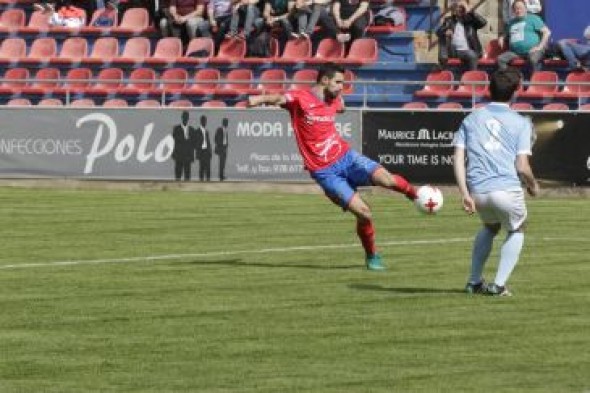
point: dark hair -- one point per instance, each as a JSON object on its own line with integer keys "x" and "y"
{"x": 518, "y": 1}
{"x": 329, "y": 70}
{"x": 504, "y": 83}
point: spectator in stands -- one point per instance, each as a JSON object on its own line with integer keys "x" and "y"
{"x": 311, "y": 12}
{"x": 161, "y": 11}
{"x": 577, "y": 53}
{"x": 532, "y": 6}
{"x": 219, "y": 13}
{"x": 244, "y": 13}
{"x": 527, "y": 38}
{"x": 108, "y": 15}
{"x": 67, "y": 15}
{"x": 185, "y": 14}
{"x": 458, "y": 36}
{"x": 352, "y": 18}
{"x": 280, "y": 13}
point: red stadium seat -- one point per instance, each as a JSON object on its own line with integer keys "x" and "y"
{"x": 295, "y": 51}
{"x": 42, "y": 49}
{"x": 73, "y": 50}
{"x": 491, "y": 53}
{"x": 348, "y": 87}
{"x": 556, "y": 106}
{"x": 241, "y": 104}
{"x": 50, "y": 102}
{"x": 521, "y": 106}
{"x": 47, "y": 80}
{"x": 199, "y": 50}
{"x": 206, "y": 82}
{"x": 141, "y": 80}
{"x": 136, "y": 50}
{"x": 434, "y": 87}
{"x": 236, "y": 85}
{"x": 450, "y": 105}
{"x": 362, "y": 51}
{"x": 167, "y": 51}
{"x": 329, "y": 50}
{"x": 585, "y": 107}
{"x": 12, "y": 50}
{"x": 473, "y": 84}
{"x": 148, "y": 104}
{"x": 214, "y": 104}
{"x": 272, "y": 81}
{"x": 181, "y": 104}
{"x": 174, "y": 80}
{"x": 304, "y": 79}
{"x": 77, "y": 80}
{"x": 415, "y": 105}
{"x": 19, "y": 102}
{"x": 231, "y": 50}
{"x": 83, "y": 103}
{"x": 115, "y": 103}
{"x": 109, "y": 80}
{"x": 15, "y": 80}
{"x": 545, "y": 90}
{"x": 38, "y": 22}
{"x": 12, "y": 19}
{"x": 134, "y": 21}
{"x": 113, "y": 14}
{"x": 104, "y": 50}
{"x": 572, "y": 88}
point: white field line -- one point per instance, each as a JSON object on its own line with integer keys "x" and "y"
{"x": 168, "y": 257}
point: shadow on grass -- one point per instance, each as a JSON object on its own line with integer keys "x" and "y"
{"x": 238, "y": 262}
{"x": 373, "y": 287}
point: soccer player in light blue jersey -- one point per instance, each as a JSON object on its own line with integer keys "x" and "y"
{"x": 492, "y": 149}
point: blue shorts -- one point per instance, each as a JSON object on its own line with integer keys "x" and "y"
{"x": 341, "y": 179}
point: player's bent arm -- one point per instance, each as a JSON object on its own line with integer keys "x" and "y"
{"x": 267, "y": 99}
{"x": 523, "y": 168}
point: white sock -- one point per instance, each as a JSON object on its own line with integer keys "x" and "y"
{"x": 482, "y": 246}
{"x": 509, "y": 256}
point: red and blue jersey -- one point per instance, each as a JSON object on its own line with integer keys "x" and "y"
{"x": 314, "y": 123}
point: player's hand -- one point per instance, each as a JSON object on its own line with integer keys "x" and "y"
{"x": 468, "y": 204}
{"x": 252, "y": 102}
{"x": 534, "y": 190}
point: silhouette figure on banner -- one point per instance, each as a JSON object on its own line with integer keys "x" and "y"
{"x": 183, "y": 153}
{"x": 203, "y": 150}
{"x": 221, "y": 144}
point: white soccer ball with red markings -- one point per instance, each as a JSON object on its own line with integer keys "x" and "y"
{"x": 430, "y": 199}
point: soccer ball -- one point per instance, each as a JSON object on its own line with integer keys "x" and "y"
{"x": 429, "y": 200}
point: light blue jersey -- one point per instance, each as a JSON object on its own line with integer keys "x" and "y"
{"x": 492, "y": 137}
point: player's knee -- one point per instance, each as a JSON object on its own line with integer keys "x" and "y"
{"x": 494, "y": 228}
{"x": 364, "y": 215}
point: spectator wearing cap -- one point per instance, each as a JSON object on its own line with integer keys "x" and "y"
{"x": 577, "y": 52}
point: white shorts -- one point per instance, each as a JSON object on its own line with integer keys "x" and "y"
{"x": 505, "y": 207}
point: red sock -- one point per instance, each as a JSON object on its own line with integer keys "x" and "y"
{"x": 403, "y": 186}
{"x": 366, "y": 233}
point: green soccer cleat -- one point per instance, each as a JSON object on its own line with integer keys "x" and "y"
{"x": 373, "y": 262}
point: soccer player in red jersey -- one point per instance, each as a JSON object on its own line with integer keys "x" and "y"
{"x": 331, "y": 162}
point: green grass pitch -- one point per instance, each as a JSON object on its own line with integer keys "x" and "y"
{"x": 171, "y": 291}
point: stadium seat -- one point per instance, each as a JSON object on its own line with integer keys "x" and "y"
{"x": 19, "y": 102}
{"x": 141, "y": 80}
{"x": 295, "y": 51}
{"x": 473, "y": 84}
{"x": 491, "y": 53}
{"x": 42, "y": 49}
{"x": 115, "y": 103}
{"x": 348, "y": 87}
{"x": 12, "y": 50}
{"x": 450, "y": 105}
{"x": 77, "y": 80}
{"x": 12, "y": 19}
{"x": 114, "y": 15}
{"x": 104, "y": 50}
{"x": 47, "y": 80}
{"x": 148, "y": 104}
{"x": 274, "y": 54}
{"x": 362, "y": 51}
{"x": 572, "y": 88}
{"x": 521, "y": 106}
{"x": 174, "y": 80}
{"x": 50, "y": 102}
{"x": 548, "y": 89}
{"x": 83, "y": 103}
{"x": 272, "y": 81}
{"x": 136, "y": 50}
{"x": 434, "y": 87}
{"x": 231, "y": 50}
{"x": 167, "y": 51}
{"x": 388, "y": 29}
{"x": 329, "y": 50}
{"x": 214, "y": 104}
{"x": 109, "y": 81}
{"x": 556, "y": 106}
{"x": 585, "y": 107}
{"x": 73, "y": 50}
{"x": 15, "y": 80}
{"x": 304, "y": 79}
{"x": 235, "y": 83}
{"x": 134, "y": 21}
{"x": 206, "y": 82}
{"x": 199, "y": 50}
{"x": 415, "y": 105}
{"x": 241, "y": 104}
{"x": 38, "y": 22}
{"x": 180, "y": 104}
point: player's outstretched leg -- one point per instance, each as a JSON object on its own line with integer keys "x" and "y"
{"x": 382, "y": 177}
{"x": 366, "y": 232}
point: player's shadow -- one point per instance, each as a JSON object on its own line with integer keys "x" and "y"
{"x": 406, "y": 290}
{"x": 238, "y": 262}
